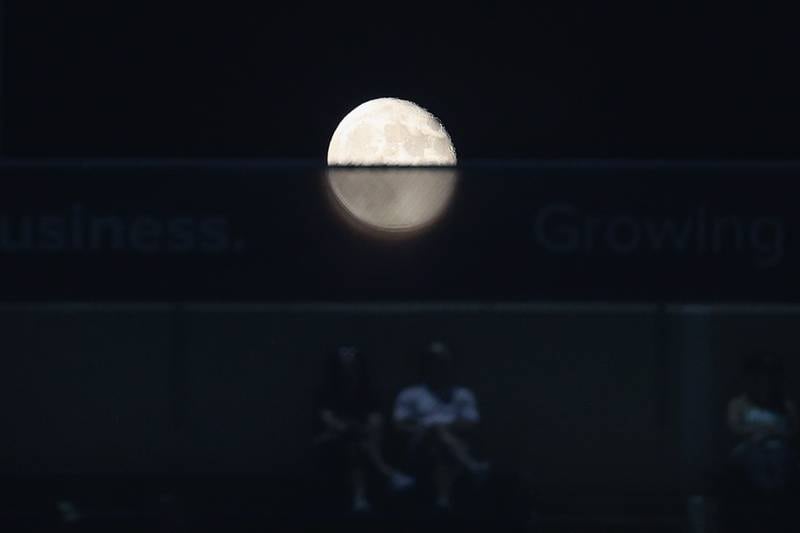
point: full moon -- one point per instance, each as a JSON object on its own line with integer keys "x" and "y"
{"x": 384, "y": 133}
{"x": 390, "y": 131}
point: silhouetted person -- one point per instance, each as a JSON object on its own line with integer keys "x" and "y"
{"x": 351, "y": 425}
{"x": 765, "y": 421}
{"x": 438, "y": 414}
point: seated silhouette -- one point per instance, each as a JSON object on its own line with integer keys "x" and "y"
{"x": 437, "y": 416}
{"x": 350, "y": 427}
{"x": 764, "y": 420}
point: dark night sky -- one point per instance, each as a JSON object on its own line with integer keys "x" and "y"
{"x": 547, "y": 80}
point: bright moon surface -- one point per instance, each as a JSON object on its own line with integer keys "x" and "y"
{"x": 391, "y": 131}
{"x": 388, "y": 132}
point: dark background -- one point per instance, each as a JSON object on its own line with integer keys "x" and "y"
{"x": 612, "y": 403}
{"x": 547, "y": 79}
{"x": 286, "y": 241}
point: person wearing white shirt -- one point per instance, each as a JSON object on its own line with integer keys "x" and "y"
{"x": 437, "y": 415}
{"x": 764, "y": 420}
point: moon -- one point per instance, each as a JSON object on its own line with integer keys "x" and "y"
{"x": 384, "y": 133}
{"x": 391, "y": 131}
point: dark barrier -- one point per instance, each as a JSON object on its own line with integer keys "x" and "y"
{"x": 267, "y": 231}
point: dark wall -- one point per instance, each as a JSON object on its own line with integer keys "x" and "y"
{"x": 84, "y": 390}
{"x": 568, "y": 399}
{"x": 573, "y": 397}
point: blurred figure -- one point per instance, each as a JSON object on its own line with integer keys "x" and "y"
{"x": 765, "y": 421}
{"x": 437, "y": 415}
{"x": 349, "y": 416}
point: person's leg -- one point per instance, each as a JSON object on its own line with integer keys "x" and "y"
{"x": 397, "y": 479}
{"x": 372, "y": 445}
{"x": 444, "y": 470}
{"x": 374, "y": 456}
{"x": 756, "y": 470}
{"x": 356, "y": 475}
{"x": 359, "y": 483}
{"x": 443, "y": 484}
{"x": 767, "y": 463}
{"x": 459, "y": 450}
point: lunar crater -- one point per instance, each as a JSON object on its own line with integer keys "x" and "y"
{"x": 391, "y": 131}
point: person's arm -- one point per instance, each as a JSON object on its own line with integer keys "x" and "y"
{"x": 333, "y": 422}
{"x": 374, "y": 420}
{"x": 373, "y": 425}
{"x": 736, "y": 424}
{"x": 403, "y": 415}
{"x": 468, "y": 415}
